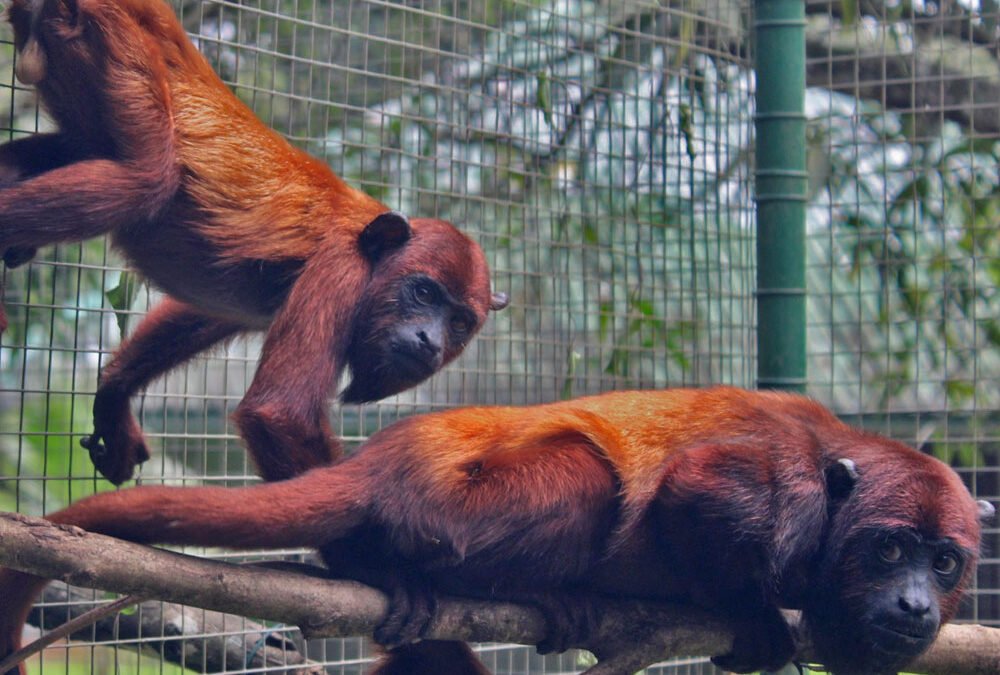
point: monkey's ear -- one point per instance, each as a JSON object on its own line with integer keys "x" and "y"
{"x": 841, "y": 477}
{"x": 498, "y": 301}
{"x": 388, "y": 232}
{"x": 986, "y": 510}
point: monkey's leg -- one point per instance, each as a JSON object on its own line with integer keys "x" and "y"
{"x": 170, "y": 335}
{"x": 282, "y": 417}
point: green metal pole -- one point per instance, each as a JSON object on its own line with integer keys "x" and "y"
{"x": 781, "y": 188}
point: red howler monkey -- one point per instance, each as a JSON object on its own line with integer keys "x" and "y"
{"x": 243, "y": 231}
{"x": 735, "y": 501}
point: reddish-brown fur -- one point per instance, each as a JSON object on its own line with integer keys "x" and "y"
{"x": 244, "y": 231}
{"x": 719, "y": 497}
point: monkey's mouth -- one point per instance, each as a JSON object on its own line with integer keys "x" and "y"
{"x": 411, "y": 365}
{"x": 904, "y": 640}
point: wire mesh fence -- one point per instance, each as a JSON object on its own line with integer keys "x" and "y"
{"x": 601, "y": 153}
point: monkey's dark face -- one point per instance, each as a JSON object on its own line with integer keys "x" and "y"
{"x": 884, "y": 605}
{"x": 409, "y": 336}
{"x": 428, "y": 295}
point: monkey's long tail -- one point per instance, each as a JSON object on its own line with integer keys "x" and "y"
{"x": 306, "y": 511}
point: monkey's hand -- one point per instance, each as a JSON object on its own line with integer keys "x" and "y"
{"x": 568, "y": 618}
{"x": 411, "y": 606}
{"x": 15, "y": 256}
{"x": 117, "y": 444}
{"x": 763, "y": 642}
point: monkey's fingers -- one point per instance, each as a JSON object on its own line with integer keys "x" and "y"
{"x": 411, "y": 608}
{"x": 108, "y": 464}
{"x": 569, "y": 620}
{"x": 94, "y": 446}
{"x": 15, "y": 256}
{"x": 117, "y": 445}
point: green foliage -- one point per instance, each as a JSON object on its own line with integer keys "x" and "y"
{"x": 916, "y": 222}
{"x": 47, "y": 447}
{"x": 84, "y": 661}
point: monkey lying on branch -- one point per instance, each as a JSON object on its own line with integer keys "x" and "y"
{"x": 738, "y": 502}
{"x": 243, "y": 231}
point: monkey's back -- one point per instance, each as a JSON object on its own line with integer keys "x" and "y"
{"x": 634, "y": 430}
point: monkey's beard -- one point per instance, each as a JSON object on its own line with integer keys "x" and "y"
{"x": 383, "y": 363}
{"x": 385, "y": 379}
{"x": 370, "y": 387}
{"x": 847, "y": 644}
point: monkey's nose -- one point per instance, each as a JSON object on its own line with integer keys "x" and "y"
{"x": 915, "y": 603}
{"x": 427, "y": 344}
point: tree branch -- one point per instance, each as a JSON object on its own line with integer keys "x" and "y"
{"x": 629, "y": 635}
{"x": 198, "y": 639}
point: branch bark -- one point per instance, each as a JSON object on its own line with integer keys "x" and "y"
{"x": 629, "y": 635}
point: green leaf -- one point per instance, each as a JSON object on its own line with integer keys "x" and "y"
{"x": 572, "y": 360}
{"x": 687, "y": 128}
{"x": 121, "y": 298}
{"x": 543, "y": 97}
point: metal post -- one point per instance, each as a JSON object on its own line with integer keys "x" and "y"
{"x": 781, "y": 188}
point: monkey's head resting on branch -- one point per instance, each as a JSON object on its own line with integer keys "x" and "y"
{"x": 739, "y": 502}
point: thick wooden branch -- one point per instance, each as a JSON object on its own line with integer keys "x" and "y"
{"x": 629, "y": 636}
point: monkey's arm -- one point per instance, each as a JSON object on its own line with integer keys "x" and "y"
{"x": 36, "y": 154}
{"x": 170, "y": 335}
{"x": 79, "y": 201}
{"x": 283, "y": 415}
{"x": 26, "y": 157}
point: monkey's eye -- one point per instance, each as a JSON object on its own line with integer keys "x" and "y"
{"x": 946, "y": 564}
{"x": 890, "y": 551}
{"x": 460, "y": 325}
{"x": 424, "y": 294}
